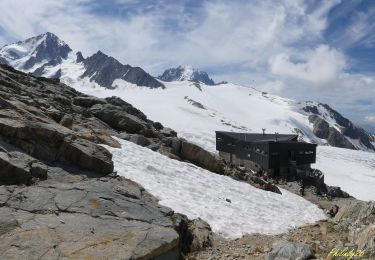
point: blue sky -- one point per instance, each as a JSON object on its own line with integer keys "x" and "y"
{"x": 309, "y": 50}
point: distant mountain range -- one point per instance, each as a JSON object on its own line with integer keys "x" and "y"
{"x": 230, "y": 106}
{"x": 47, "y": 55}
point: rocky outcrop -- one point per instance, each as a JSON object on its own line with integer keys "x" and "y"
{"x": 52, "y": 142}
{"x": 358, "y": 217}
{"x": 200, "y": 157}
{"x": 200, "y": 235}
{"x": 67, "y": 127}
{"x": 336, "y": 192}
{"x": 88, "y": 101}
{"x": 364, "y": 239}
{"x": 197, "y": 155}
{"x": 50, "y": 138}
{"x": 19, "y": 168}
{"x": 104, "y": 70}
{"x": 194, "y": 103}
{"x": 96, "y": 218}
{"x": 117, "y": 118}
{"x": 324, "y": 131}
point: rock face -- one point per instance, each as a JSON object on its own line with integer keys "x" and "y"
{"x": 19, "y": 168}
{"x": 69, "y": 203}
{"x": 67, "y": 127}
{"x": 182, "y": 73}
{"x": 96, "y": 218}
{"x": 358, "y": 217}
{"x": 117, "y": 118}
{"x": 322, "y": 129}
{"x": 201, "y": 157}
{"x": 364, "y": 238}
{"x": 104, "y": 70}
{"x": 36, "y": 51}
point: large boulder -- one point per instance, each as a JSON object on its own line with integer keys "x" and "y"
{"x": 128, "y": 108}
{"x": 200, "y": 157}
{"x": 88, "y": 101}
{"x": 200, "y": 235}
{"x": 89, "y": 219}
{"x": 357, "y": 212}
{"x": 19, "y": 168}
{"x": 53, "y": 142}
{"x": 140, "y": 140}
{"x": 289, "y": 251}
{"x": 86, "y": 155}
{"x": 117, "y": 118}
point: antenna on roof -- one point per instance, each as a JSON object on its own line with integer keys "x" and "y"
{"x": 276, "y": 133}
{"x": 264, "y": 131}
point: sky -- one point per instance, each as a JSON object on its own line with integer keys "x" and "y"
{"x": 307, "y": 50}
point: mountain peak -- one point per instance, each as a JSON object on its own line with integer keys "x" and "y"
{"x": 25, "y": 55}
{"x": 186, "y": 72}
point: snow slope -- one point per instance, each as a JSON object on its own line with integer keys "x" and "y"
{"x": 353, "y": 171}
{"x": 234, "y": 108}
{"x": 228, "y": 107}
{"x": 196, "y": 192}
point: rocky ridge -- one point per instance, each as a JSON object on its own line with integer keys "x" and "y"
{"x": 59, "y": 196}
{"x": 47, "y": 55}
{"x": 336, "y": 135}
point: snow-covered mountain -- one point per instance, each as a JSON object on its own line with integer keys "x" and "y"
{"x": 186, "y": 72}
{"x": 36, "y": 53}
{"x": 194, "y": 108}
{"x": 46, "y": 55}
{"x": 196, "y": 111}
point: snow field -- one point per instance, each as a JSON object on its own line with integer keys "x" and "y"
{"x": 196, "y": 192}
{"x": 353, "y": 171}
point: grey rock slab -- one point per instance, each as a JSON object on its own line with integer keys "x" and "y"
{"x": 95, "y": 218}
{"x": 289, "y": 251}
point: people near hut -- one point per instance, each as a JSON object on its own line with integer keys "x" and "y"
{"x": 302, "y": 189}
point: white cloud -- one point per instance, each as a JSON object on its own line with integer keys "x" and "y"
{"x": 370, "y": 119}
{"x": 228, "y": 33}
{"x": 360, "y": 30}
{"x": 322, "y": 65}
